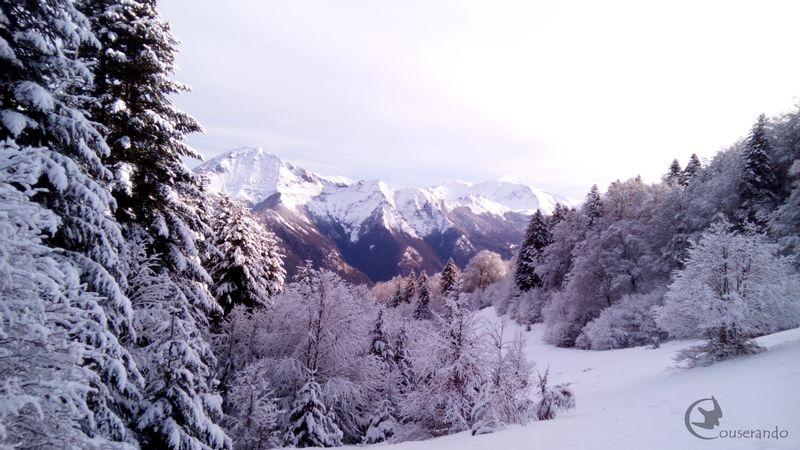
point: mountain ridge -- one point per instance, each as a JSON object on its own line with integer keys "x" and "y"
{"x": 368, "y": 229}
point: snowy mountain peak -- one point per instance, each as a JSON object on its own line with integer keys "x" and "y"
{"x": 252, "y": 174}
{"x": 496, "y": 197}
{"x": 255, "y": 175}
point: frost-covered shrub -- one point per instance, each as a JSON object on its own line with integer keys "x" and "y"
{"x": 561, "y": 328}
{"x": 626, "y": 324}
{"x": 254, "y": 413}
{"x": 734, "y": 286}
{"x": 503, "y": 295}
{"x": 382, "y": 424}
{"x": 452, "y": 370}
{"x": 552, "y": 399}
{"x": 530, "y": 305}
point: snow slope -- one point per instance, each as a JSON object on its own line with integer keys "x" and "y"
{"x": 635, "y": 399}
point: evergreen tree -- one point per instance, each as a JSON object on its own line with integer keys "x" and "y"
{"x": 449, "y": 277}
{"x": 50, "y": 326}
{"x": 537, "y": 236}
{"x": 153, "y": 187}
{"x": 380, "y": 346}
{"x": 382, "y": 424}
{"x": 592, "y": 206}
{"x": 410, "y": 290}
{"x": 675, "y": 174}
{"x": 559, "y": 212}
{"x": 181, "y": 408}
{"x": 397, "y": 297}
{"x": 51, "y": 155}
{"x": 144, "y": 129}
{"x": 758, "y": 184}
{"x": 402, "y": 360}
{"x": 691, "y": 170}
{"x": 248, "y": 269}
{"x": 310, "y": 424}
{"x": 422, "y": 310}
{"x": 160, "y": 203}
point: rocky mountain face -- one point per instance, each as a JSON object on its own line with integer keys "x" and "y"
{"x": 367, "y": 230}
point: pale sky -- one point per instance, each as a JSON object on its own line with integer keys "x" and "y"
{"x": 559, "y": 94}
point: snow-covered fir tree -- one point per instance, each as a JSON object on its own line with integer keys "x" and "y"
{"x": 537, "y": 236}
{"x": 181, "y": 409}
{"x": 380, "y": 346}
{"x": 733, "y": 286}
{"x": 310, "y": 423}
{"x": 785, "y": 223}
{"x": 592, "y": 206}
{"x": 159, "y": 202}
{"x": 559, "y": 212}
{"x": 402, "y": 361}
{"x": 397, "y": 296}
{"x": 450, "y": 275}
{"x": 51, "y": 155}
{"x": 692, "y": 170}
{"x": 674, "y": 174}
{"x": 248, "y": 268}
{"x": 382, "y": 421}
{"x": 50, "y": 326}
{"x": 410, "y": 289}
{"x": 422, "y": 309}
{"x": 758, "y": 184}
{"x": 382, "y": 424}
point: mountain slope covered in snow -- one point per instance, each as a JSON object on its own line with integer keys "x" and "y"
{"x": 368, "y": 229}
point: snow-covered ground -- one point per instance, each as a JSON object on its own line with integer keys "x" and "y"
{"x": 635, "y": 399}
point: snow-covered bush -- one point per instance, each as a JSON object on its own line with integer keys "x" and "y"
{"x": 451, "y": 370}
{"x": 530, "y": 306}
{"x": 626, "y": 324}
{"x": 734, "y": 286}
{"x": 382, "y": 424}
{"x": 509, "y": 387}
{"x": 253, "y": 412}
{"x": 552, "y": 399}
{"x": 562, "y": 328}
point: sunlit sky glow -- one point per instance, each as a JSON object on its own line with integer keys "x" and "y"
{"x": 559, "y": 94}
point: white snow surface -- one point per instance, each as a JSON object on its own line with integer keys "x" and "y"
{"x": 636, "y": 399}
{"x": 253, "y": 175}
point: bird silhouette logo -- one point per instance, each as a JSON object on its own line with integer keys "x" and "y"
{"x": 710, "y": 417}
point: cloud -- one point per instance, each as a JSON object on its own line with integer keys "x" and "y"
{"x": 559, "y": 94}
